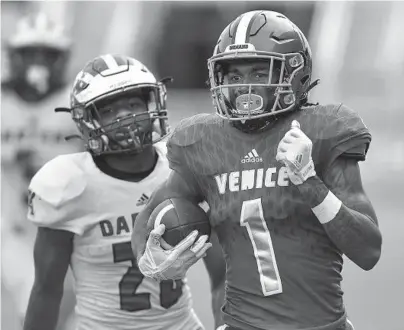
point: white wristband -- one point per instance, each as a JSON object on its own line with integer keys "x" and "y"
{"x": 328, "y": 208}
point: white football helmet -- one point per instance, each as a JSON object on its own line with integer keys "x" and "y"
{"x": 107, "y": 77}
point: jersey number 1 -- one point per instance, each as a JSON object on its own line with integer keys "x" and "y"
{"x": 252, "y": 217}
{"x": 131, "y": 301}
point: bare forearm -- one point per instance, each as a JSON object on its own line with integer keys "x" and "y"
{"x": 216, "y": 266}
{"x": 43, "y": 309}
{"x": 217, "y": 303}
{"x": 355, "y": 233}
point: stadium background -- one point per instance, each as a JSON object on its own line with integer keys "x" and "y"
{"x": 358, "y": 55}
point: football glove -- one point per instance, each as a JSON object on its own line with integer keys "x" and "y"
{"x": 294, "y": 150}
{"x": 172, "y": 263}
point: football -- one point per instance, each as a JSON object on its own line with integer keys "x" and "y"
{"x": 180, "y": 217}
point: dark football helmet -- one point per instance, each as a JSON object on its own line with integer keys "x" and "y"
{"x": 108, "y": 79}
{"x": 39, "y": 52}
{"x": 265, "y": 37}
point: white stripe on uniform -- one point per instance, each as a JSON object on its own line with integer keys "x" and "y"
{"x": 110, "y": 61}
{"x": 241, "y": 33}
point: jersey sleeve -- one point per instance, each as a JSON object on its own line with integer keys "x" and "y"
{"x": 53, "y": 196}
{"x": 346, "y": 136}
{"x": 177, "y": 162}
{"x": 179, "y": 154}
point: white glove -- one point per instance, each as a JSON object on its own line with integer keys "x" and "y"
{"x": 294, "y": 150}
{"x": 171, "y": 263}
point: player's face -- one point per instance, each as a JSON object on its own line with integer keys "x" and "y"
{"x": 251, "y": 72}
{"x": 124, "y": 117}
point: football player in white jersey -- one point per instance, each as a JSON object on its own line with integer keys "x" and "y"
{"x": 31, "y": 134}
{"x": 85, "y": 205}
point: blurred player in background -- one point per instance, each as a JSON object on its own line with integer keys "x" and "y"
{"x": 282, "y": 180}
{"x": 83, "y": 206}
{"x": 31, "y": 134}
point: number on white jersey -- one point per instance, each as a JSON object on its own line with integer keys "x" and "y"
{"x": 252, "y": 217}
{"x": 131, "y": 301}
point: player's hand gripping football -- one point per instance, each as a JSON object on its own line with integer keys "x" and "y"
{"x": 294, "y": 150}
{"x": 161, "y": 261}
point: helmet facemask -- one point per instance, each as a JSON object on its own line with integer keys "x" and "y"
{"x": 130, "y": 132}
{"x": 268, "y": 92}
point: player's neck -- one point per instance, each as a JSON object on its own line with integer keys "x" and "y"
{"x": 134, "y": 164}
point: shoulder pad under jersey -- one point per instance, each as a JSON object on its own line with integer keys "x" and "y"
{"x": 343, "y": 133}
{"x": 59, "y": 181}
{"x": 193, "y": 129}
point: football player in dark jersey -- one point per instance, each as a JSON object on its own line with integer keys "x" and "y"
{"x": 281, "y": 177}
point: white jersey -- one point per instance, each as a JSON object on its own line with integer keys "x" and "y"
{"x": 71, "y": 193}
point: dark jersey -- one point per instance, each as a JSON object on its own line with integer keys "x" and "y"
{"x": 283, "y": 271}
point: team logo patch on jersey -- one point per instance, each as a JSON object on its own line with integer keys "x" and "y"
{"x": 142, "y": 200}
{"x": 252, "y": 157}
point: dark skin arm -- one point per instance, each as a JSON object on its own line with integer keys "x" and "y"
{"x": 216, "y": 267}
{"x": 355, "y": 229}
{"x": 52, "y": 252}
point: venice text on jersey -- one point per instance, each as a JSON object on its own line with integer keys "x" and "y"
{"x": 250, "y": 179}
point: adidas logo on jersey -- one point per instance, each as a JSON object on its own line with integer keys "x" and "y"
{"x": 142, "y": 200}
{"x": 252, "y": 157}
